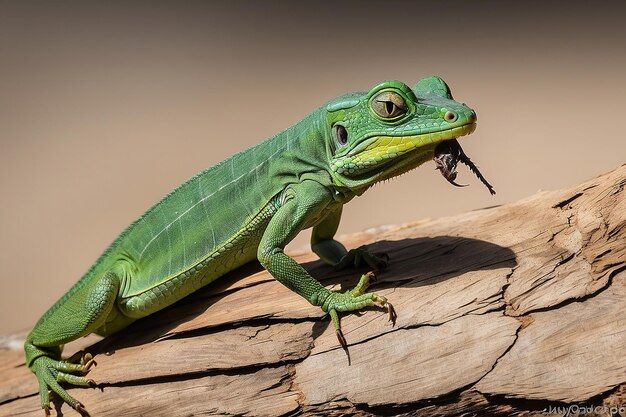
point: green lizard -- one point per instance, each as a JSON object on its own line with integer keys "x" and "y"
{"x": 250, "y": 206}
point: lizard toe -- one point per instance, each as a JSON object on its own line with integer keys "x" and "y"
{"x": 51, "y": 373}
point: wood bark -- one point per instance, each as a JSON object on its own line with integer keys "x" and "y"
{"x": 502, "y": 311}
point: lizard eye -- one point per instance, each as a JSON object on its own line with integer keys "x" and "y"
{"x": 389, "y": 105}
{"x": 341, "y": 135}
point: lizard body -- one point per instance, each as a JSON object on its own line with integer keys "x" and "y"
{"x": 250, "y": 206}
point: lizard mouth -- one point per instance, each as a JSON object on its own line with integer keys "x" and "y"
{"x": 378, "y": 152}
{"x": 382, "y": 157}
{"x": 447, "y": 155}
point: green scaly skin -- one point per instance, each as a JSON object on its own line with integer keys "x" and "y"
{"x": 250, "y": 206}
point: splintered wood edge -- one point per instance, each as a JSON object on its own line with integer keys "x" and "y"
{"x": 484, "y": 281}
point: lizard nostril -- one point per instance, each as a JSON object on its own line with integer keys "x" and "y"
{"x": 450, "y": 116}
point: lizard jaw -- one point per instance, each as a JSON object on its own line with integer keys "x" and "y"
{"x": 381, "y": 157}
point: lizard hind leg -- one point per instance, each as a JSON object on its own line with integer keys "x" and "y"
{"x": 83, "y": 310}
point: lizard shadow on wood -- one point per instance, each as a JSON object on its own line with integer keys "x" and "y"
{"x": 413, "y": 262}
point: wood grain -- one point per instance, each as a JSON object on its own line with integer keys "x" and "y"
{"x": 501, "y": 311}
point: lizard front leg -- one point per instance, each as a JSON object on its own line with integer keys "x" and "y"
{"x": 304, "y": 203}
{"x": 334, "y": 253}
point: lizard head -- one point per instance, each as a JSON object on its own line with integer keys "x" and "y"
{"x": 391, "y": 129}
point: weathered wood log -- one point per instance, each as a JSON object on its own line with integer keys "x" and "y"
{"x": 502, "y": 311}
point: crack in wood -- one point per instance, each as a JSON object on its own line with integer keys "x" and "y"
{"x": 460, "y": 339}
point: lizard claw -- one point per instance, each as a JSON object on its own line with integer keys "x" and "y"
{"x": 46, "y": 411}
{"x": 88, "y": 365}
{"x": 342, "y": 340}
{"x": 81, "y": 409}
{"x": 343, "y": 343}
{"x": 392, "y": 314}
{"x": 87, "y": 361}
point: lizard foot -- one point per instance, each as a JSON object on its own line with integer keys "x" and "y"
{"x": 361, "y": 256}
{"x": 85, "y": 359}
{"x": 51, "y": 373}
{"x": 353, "y": 300}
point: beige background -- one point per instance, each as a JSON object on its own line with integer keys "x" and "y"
{"x": 104, "y": 109}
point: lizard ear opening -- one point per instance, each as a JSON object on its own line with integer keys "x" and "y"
{"x": 433, "y": 85}
{"x": 341, "y": 135}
